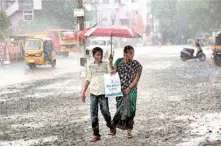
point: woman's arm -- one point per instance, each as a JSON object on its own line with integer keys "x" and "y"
{"x": 133, "y": 84}
{"x": 111, "y": 65}
{"x": 135, "y": 81}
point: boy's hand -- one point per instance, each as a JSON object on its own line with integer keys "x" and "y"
{"x": 83, "y": 97}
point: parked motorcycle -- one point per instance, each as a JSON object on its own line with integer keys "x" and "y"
{"x": 187, "y": 54}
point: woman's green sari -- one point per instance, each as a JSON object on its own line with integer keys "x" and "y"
{"x": 126, "y": 105}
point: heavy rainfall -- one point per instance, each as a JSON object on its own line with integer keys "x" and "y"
{"x": 50, "y": 51}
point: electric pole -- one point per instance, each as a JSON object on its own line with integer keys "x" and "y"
{"x": 82, "y": 43}
{"x": 80, "y": 19}
{"x": 80, "y": 22}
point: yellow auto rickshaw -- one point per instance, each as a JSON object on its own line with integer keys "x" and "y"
{"x": 39, "y": 51}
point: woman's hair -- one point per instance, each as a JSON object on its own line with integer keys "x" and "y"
{"x": 97, "y": 49}
{"x": 127, "y": 48}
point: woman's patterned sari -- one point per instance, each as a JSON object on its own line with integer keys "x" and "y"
{"x": 126, "y": 105}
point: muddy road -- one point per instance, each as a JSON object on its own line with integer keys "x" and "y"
{"x": 178, "y": 104}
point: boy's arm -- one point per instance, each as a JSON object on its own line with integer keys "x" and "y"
{"x": 88, "y": 80}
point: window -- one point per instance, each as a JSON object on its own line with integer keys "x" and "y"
{"x": 33, "y": 44}
{"x": 67, "y": 34}
{"x": 25, "y": 4}
{"x": 98, "y": 42}
{"x": 28, "y": 15}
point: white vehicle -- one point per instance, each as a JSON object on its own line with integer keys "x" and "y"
{"x": 102, "y": 42}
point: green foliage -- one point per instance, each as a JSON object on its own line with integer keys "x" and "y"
{"x": 4, "y": 24}
{"x": 187, "y": 18}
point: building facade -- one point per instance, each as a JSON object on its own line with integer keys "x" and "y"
{"x": 134, "y": 14}
{"x": 20, "y": 10}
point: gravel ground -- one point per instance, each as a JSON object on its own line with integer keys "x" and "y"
{"x": 178, "y": 104}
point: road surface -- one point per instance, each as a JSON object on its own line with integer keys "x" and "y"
{"x": 178, "y": 104}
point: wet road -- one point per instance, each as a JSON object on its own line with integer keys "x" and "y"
{"x": 20, "y": 72}
{"x": 178, "y": 104}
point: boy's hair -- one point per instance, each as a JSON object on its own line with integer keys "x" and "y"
{"x": 97, "y": 49}
{"x": 127, "y": 48}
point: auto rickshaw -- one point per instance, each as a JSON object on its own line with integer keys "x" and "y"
{"x": 216, "y": 55}
{"x": 39, "y": 51}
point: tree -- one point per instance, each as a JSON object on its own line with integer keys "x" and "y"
{"x": 186, "y": 18}
{"x": 4, "y": 24}
{"x": 165, "y": 12}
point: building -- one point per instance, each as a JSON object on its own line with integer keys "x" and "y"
{"x": 135, "y": 14}
{"x": 18, "y": 10}
{"x": 121, "y": 12}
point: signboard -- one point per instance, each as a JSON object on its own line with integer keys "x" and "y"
{"x": 37, "y": 4}
{"x": 78, "y": 12}
{"x": 101, "y": 7}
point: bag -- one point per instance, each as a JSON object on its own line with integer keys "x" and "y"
{"x": 112, "y": 85}
{"x": 126, "y": 108}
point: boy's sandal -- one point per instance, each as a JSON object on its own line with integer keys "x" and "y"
{"x": 95, "y": 139}
{"x": 129, "y": 135}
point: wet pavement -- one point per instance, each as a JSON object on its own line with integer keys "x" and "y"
{"x": 178, "y": 104}
{"x": 20, "y": 72}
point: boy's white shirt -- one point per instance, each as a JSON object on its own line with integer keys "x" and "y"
{"x": 95, "y": 75}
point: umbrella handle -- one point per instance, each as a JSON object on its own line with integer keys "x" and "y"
{"x": 111, "y": 44}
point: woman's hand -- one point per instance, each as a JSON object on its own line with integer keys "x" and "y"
{"x": 83, "y": 97}
{"x": 127, "y": 91}
{"x": 111, "y": 58}
{"x": 113, "y": 72}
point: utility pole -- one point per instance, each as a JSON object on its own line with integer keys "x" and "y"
{"x": 80, "y": 19}
{"x": 80, "y": 22}
{"x": 82, "y": 43}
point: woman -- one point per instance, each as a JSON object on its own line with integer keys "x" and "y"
{"x": 129, "y": 71}
{"x": 95, "y": 78}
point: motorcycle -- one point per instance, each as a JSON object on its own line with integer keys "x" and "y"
{"x": 187, "y": 54}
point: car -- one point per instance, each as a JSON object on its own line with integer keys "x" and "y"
{"x": 102, "y": 42}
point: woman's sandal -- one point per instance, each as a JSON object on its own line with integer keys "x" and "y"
{"x": 95, "y": 139}
{"x": 129, "y": 135}
{"x": 113, "y": 131}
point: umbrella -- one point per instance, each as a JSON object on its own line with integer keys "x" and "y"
{"x": 82, "y": 32}
{"x": 112, "y": 31}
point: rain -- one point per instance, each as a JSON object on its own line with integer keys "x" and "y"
{"x": 46, "y": 49}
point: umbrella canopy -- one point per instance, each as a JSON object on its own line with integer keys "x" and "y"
{"x": 112, "y": 31}
{"x": 81, "y": 33}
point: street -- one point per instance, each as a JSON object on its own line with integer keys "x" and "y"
{"x": 178, "y": 103}
{"x": 20, "y": 72}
